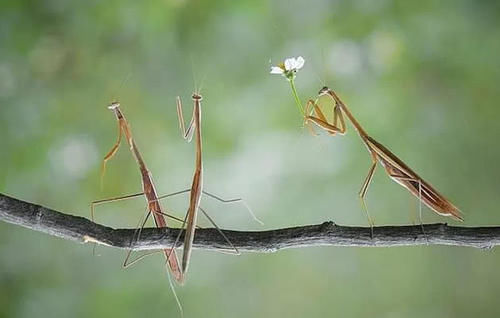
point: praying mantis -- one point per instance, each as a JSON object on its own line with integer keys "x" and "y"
{"x": 149, "y": 191}
{"x": 396, "y": 169}
{"x": 197, "y": 185}
{"x": 194, "y": 128}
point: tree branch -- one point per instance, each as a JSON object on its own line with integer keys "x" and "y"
{"x": 80, "y": 229}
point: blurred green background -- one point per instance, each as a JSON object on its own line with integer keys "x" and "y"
{"x": 422, "y": 77}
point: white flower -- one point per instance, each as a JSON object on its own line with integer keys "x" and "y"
{"x": 289, "y": 67}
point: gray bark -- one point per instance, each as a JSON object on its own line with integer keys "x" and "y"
{"x": 82, "y": 230}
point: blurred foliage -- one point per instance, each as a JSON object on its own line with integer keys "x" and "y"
{"x": 422, "y": 77}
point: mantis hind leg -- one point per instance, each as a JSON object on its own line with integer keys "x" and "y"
{"x": 181, "y": 230}
{"x": 235, "y": 200}
{"x": 177, "y": 239}
{"x": 362, "y": 194}
{"x": 403, "y": 178}
{"x": 237, "y": 252}
{"x": 93, "y": 204}
{"x": 135, "y": 237}
{"x": 143, "y": 220}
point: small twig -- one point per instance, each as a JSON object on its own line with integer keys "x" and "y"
{"x": 80, "y": 229}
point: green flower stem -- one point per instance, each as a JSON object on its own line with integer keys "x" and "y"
{"x": 296, "y": 96}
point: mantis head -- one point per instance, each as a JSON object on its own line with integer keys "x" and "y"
{"x": 197, "y": 96}
{"x": 323, "y": 91}
{"x": 114, "y": 105}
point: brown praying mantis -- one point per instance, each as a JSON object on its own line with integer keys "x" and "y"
{"x": 194, "y": 128}
{"x": 197, "y": 185}
{"x": 149, "y": 191}
{"x": 394, "y": 167}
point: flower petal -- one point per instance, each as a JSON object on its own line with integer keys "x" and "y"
{"x": 299, "y": 62}
{"x": 276, "y": 70}
{"x": 289, "y": 64}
